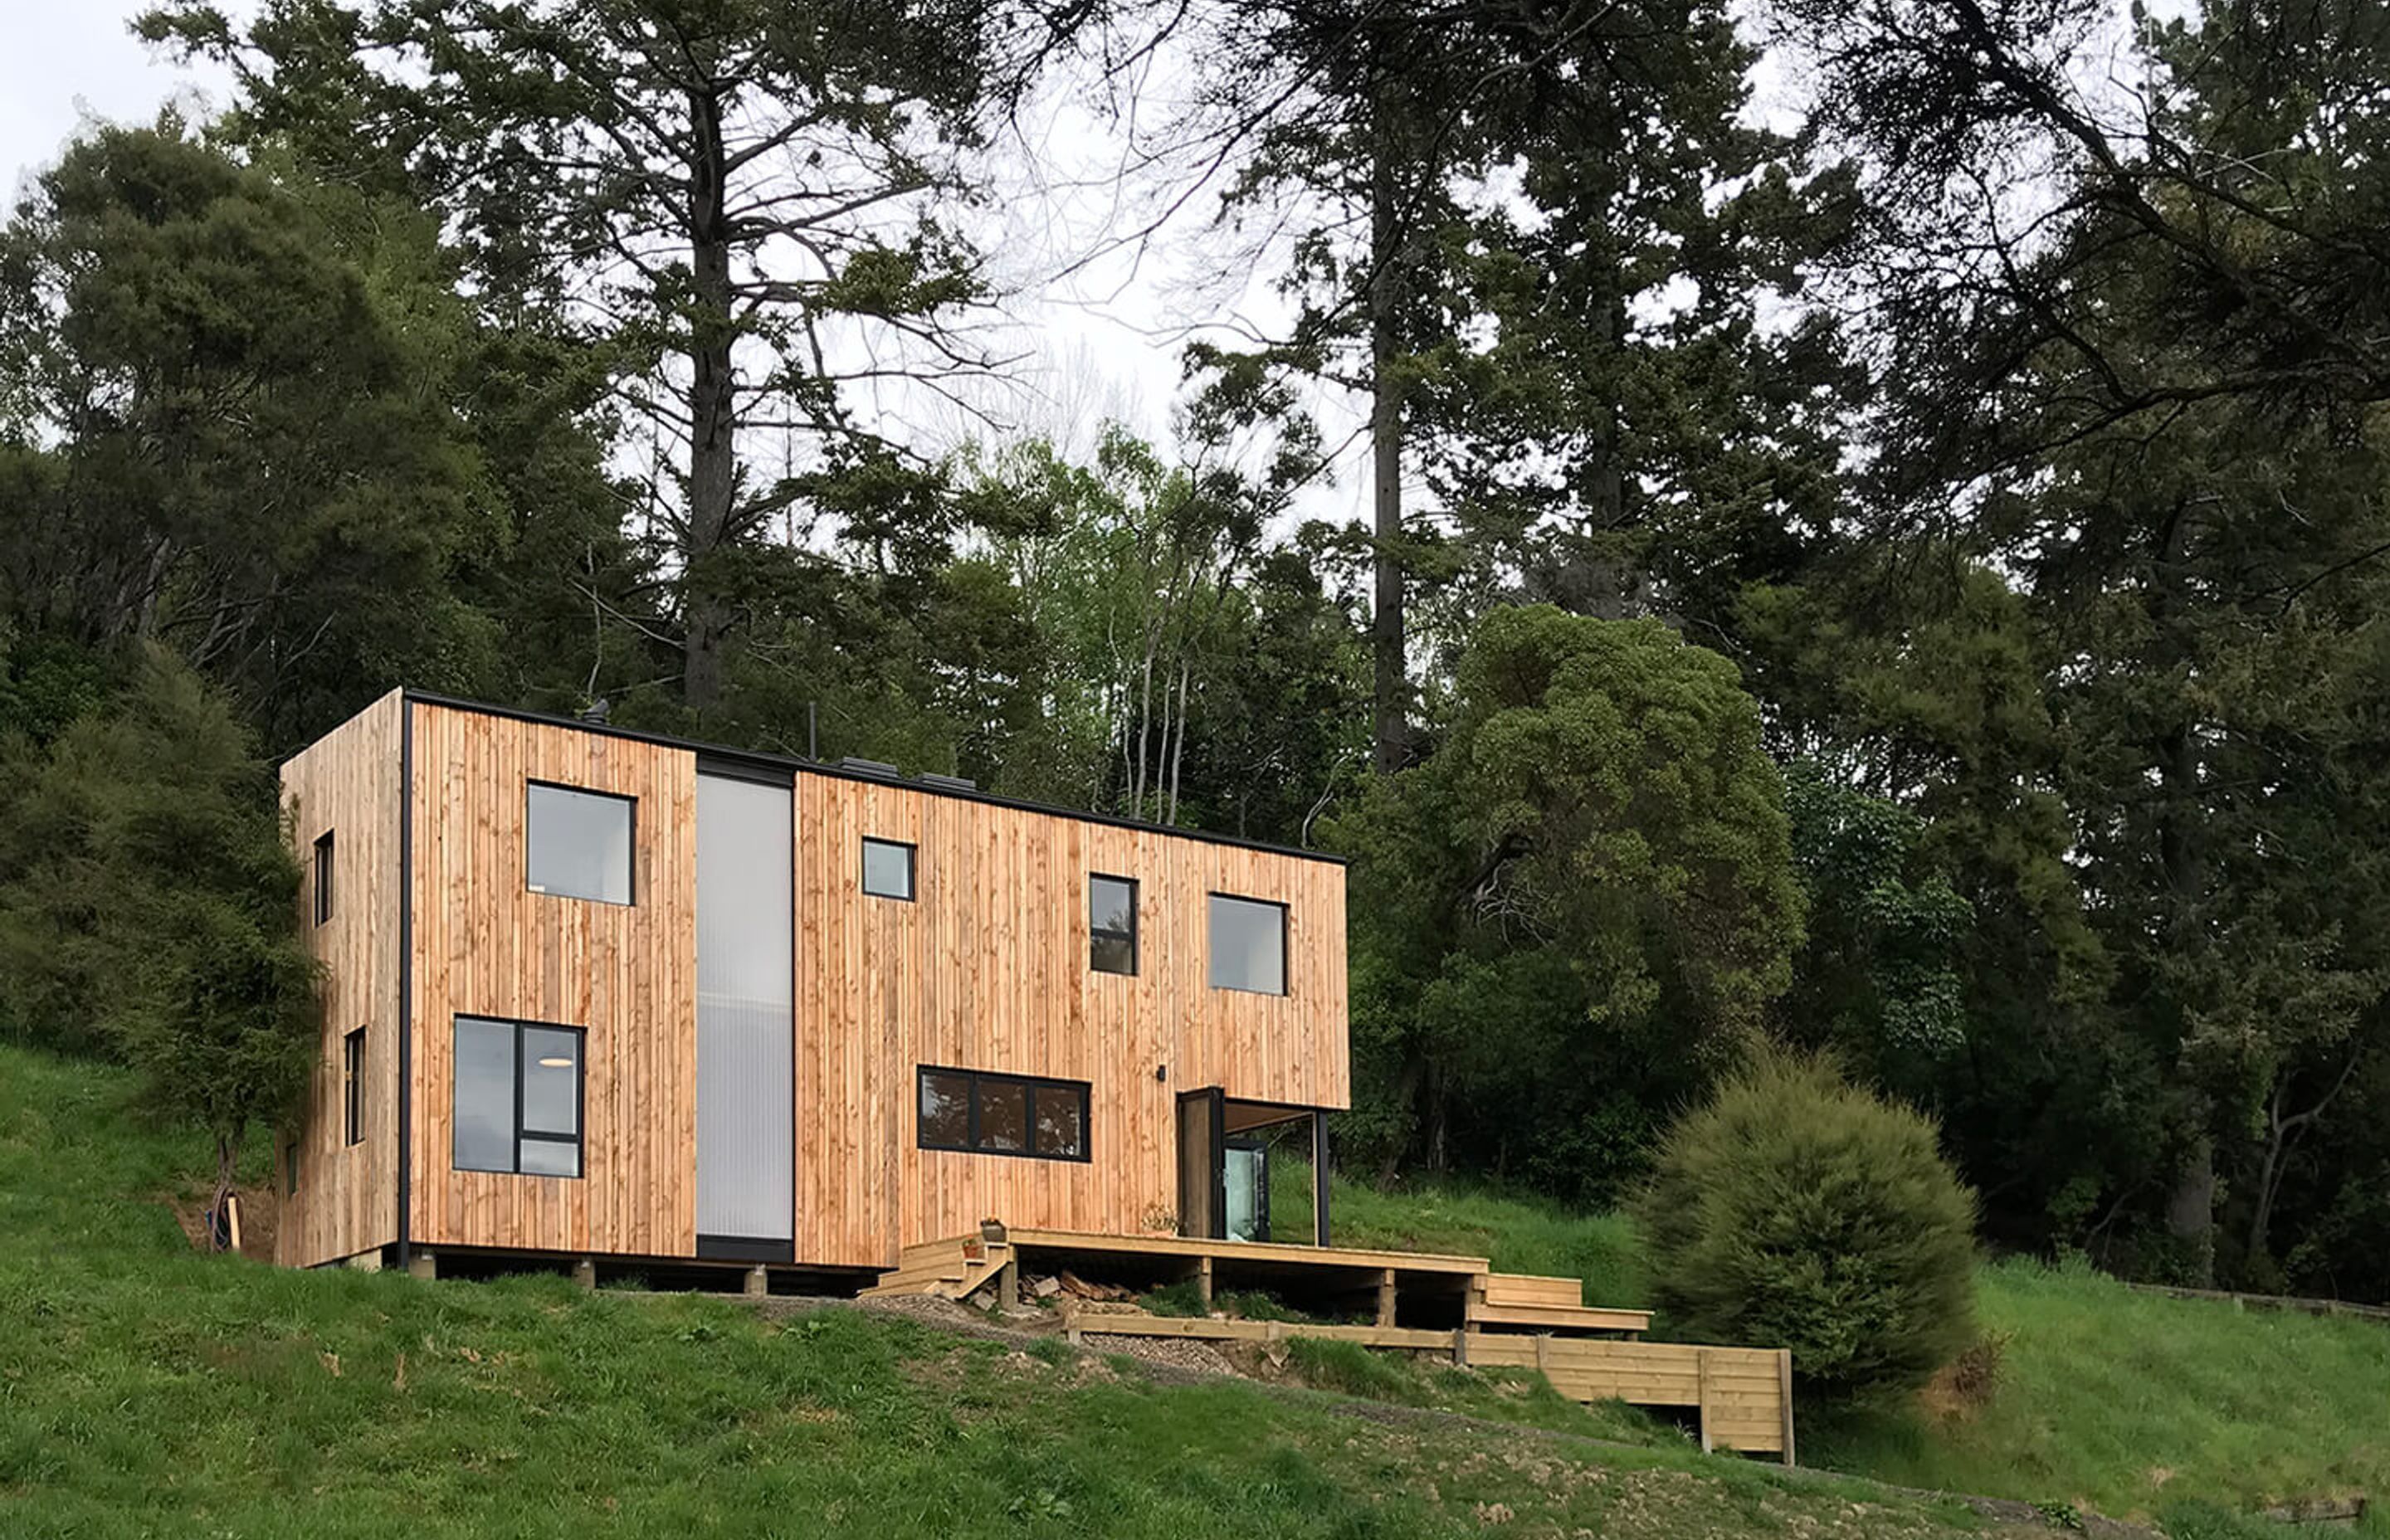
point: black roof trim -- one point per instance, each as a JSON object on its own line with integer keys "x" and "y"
{"x": 797, "y": 765}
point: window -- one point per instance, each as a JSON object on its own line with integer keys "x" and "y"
{"x": 324, "y": 877}
{"x": 290, "y": 1168}
{"x": 1248, "y": 945}
{"x": 1004, "y": 1114}
{"x": 352, "y": 1065}
{"x": 1112, "y": 924}
{"x": 579, "y": 842}
{"x": 518, "y": 1098}
{"x": 888, "y": 869}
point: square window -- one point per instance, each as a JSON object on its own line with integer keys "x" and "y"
{"x": 946, "y": 1110}
{"x": 888, "y": 869}
{"x": 1248, "y": 945}
{"x": 578, "y": 843}
{"x": 518, "y": 1098}
{"x": 1062, "y": 1121}
{"x": 1003, "y": 1116}
{"x": 1112, "y": 924}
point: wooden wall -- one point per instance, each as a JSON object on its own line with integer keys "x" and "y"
{"x": 484, "y": 944}
{"x": 987, "y": 970}
{"x": 347, "y": 783}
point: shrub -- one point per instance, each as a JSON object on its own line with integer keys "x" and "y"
{"x": 1796, "y": 1210}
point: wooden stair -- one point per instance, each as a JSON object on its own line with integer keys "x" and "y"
{"x": 1522, "y": 1302}
{"x": 945, "y": 1269}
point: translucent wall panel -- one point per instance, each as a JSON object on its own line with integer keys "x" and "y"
{"x": 745, "y": 985}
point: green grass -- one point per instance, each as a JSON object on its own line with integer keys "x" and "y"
{"x": 1518, "y": 1234}
{"x": 146, "y": 1390}
{"x": 2127, "y": 1404}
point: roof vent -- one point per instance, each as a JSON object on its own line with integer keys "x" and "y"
{"x": 949, "y": 783}
{"x": 867, "y": 767}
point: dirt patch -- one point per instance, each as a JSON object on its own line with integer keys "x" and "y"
{"x": 1966, "y": 1384}
{"x": 258, "y": 1213}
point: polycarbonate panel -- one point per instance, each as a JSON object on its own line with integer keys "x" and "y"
{"x": 746, "y": 982}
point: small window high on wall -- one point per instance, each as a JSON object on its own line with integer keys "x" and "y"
{"x": 888, "y": 869}
{"x": 324, "y": 877}
{"x": 578, "y": 843}
{"x": 1248, "y": 945}
{"x": 352, "y": 1084}
{"x": 1112, "y": 924}
{"x": 519, "y": 1097}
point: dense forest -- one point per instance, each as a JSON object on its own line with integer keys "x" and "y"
{"x": 1902, "y": 576}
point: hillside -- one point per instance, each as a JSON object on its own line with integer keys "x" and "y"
{"x": 147, "y": 1389}
{"x": 2104, "y": 1399}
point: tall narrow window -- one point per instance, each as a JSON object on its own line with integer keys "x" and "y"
{"x": 518, "y": 1098}
{"x": 290, "y": 1168}
{"x": 578, "y": 843}
{"x": 324, "y": 877}
{"x": 1248, "y": 945}
{"x": 1112, "y": 924}
{"x": 352, "y": 1066}
{"x": 888, "y": 869}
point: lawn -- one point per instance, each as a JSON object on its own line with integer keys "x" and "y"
{"x": 146, "y": 1390}
{"x": 2107, "y": 1399}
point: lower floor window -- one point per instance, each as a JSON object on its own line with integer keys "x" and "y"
{"x": 518, "y": 1094}
{"x": 990, "y": 1114}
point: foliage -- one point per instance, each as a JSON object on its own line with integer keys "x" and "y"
{"x": 148, "y": 905}
{"x": 1590, "y": 877}
{"x": 1793, "y": 1210}
{"x": 155, "y": 1390}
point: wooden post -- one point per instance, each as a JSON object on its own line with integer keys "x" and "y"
{"x": 1544, "y": 1354}
{"x": 1385, "y": 1296}
{"x": 1460, "y": 1344}
{"x": 422, "y": 1265}
{"x": 759, "y": 1282}
{"x": 1203, "y": 1281}
{"x": 585, "y": 1272}
{"x": 1071, "y": 1320}
{"x": 1008, "y": 1286}
{"x": 1784, "y": 1391}
{"x": 1702, "y": 1367}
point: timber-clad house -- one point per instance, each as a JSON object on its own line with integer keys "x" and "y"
{"x": 599, "y": 995}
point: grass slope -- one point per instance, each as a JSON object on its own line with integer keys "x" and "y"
{"x": 2129, "y": 1404}
{"x": 149, "y": 1391}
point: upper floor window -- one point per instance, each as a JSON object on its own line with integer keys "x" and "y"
{"x": 888, "y": 869}
{"x": 1112, "y": 924}
{"x": 1248, "y": 945}
{"x": 518, "y": 1098}
{"x": 352, "y": 1083}
{"x": 324, "y": 877}
{"x": 988, "y": 1115}
{"x": 579, "y": 842}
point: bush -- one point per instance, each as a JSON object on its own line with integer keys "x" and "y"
{"x": 1796, "y": 1210}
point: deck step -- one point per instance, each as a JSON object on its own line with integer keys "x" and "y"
{"x": 1528, "y": 1289}
{"x": 1557, "y": 1317}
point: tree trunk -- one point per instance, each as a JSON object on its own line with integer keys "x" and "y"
{"x": 1406, "y": 1090}
{"x": 2190, "y": 1209}
{"x": 712, "y": 408}
{"x": 1390, "y": 686}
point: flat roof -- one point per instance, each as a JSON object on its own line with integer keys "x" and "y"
{"x": 797, "y": 765}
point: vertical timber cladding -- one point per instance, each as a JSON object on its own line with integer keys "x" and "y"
{"x": 346, "y": 784}
{"x": 484, "y": 944}
{"x": 988, "y": 969}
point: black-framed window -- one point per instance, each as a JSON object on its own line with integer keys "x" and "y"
{"x": 1248, "y": 945}
{"x": 324, "y": 877}
{"x": 577, "y": 843}
{"x": 992, "y": 1114}
{"x": 888, "y": 869}
{"x": 1111, "y": 923}
{"x": 290, "y": 1167}
{"x": 519, "y": 1095}
{"x": 352, "y": 1084}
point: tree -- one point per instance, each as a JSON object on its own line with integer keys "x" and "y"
{"x": 149, "y": 907}
{"x": 1594, "y": 861}
{"x": 225, "y": 427}
{"x": 738, "y": 195}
